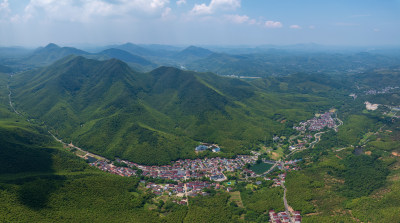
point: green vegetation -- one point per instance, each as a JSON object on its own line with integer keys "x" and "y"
{"x": 154, "y": 118}
{"x": 301, "y": 190}
{"x": 362, "y": 175}
{"x": 211, "y": 209}
{"x": 260, "y": 168}
{"x": 341, "y": 186}
{"x": 263, "y": 200}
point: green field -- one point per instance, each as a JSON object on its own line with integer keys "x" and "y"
{"x": 260, "y": 168}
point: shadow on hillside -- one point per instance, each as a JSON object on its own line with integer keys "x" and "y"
{"x": 31, "y": 170}
{"x": 35, "y": 192}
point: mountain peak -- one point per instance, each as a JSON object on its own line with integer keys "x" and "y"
{"x": 194, "y": 51}
{"x": 51, "y": 46}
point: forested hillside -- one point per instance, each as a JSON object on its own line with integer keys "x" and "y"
{"x": 109, "y": 109}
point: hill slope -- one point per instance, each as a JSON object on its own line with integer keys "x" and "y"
{"x": 155, "y": 117}
{"x": 125, "y": 56}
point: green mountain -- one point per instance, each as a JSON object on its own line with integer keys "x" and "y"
{"x": 135, "y": 49}
{"x": 125, "y": 56}
{"x": 51, "y": 53}
{"x": 158, "y": 116}
{"x": 193, "y": 53}
{"x": 155, "y": 117}
{"x": 40, "y": 181}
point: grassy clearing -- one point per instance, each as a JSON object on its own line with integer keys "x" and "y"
{"x": 260, "y": 167}
{"x": 235, "y": 197}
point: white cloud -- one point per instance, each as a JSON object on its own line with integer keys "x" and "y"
{"x": 4, "y": 6}
{"x": 215, "y": 5}
{"x": 181, "y": 2}
{"x": 4, "y": 9}
{"x": 87, "y": 10}
{"x": 295, "y": 27}
{"x": 166, "y": 13}
{"x": 201, "y": 9}
{"x": 273, "y": 24}
{"x": 239, "y": 19}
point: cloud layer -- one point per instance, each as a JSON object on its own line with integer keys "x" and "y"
{"x": 86, "y": 10}
{"x": 207, "y": 21}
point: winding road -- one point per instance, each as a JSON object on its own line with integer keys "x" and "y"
{"x": 317, "y": 137}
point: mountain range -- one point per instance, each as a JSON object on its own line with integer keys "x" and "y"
{"x": 263, "y": 61}
{"x": 110, "y": 109}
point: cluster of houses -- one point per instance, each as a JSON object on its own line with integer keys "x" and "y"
{"x": 317, "y": 123}
{"x": 301, "y": 143}
{"x": 283, "y": 217}
{"x": 211, "y": 168}
{"x": 290, "y": 165}
{"x": 107, "y": 167}
{"x": 207, "y": 146}
{"x": 249, "y": 173}
{"x": 278, "y": 181}
{"x": 383, "y": 91}
{"x": 193, "y": 188}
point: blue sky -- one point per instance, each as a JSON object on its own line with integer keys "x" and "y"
{"x": 215, "y": 22}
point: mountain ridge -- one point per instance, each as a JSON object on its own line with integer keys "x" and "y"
{"x": 110, "y": 109}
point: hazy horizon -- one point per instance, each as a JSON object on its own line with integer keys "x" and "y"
{"x": 33, "y": 23}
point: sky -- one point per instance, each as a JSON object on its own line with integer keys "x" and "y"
{"x": 200, "y": 22}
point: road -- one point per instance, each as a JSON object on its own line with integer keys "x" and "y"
{"x": 340, "y": 122}
{"x": 270, "y": 169}
{"x": 284, "y": 197}
{"x": 9, "y": 99}
{"x": 317, "y": 137}
{"x": 285, "y": 200}
{"x": 77, "y": 148}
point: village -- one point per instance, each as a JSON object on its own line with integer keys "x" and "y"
{"x": 283, "y": 217}
{"x": 382, "y": 91}
{"x": 211, "y": 168}
{"x": 184, "y": 178}
{"x": 317, "y": 123}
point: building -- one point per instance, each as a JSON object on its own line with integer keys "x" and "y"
{"x": 215, "y": 149}
{"x": 201, "y": 148}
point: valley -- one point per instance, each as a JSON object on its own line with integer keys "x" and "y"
{"x": 125, "y": 128}
{"x": 200, "y": 111}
